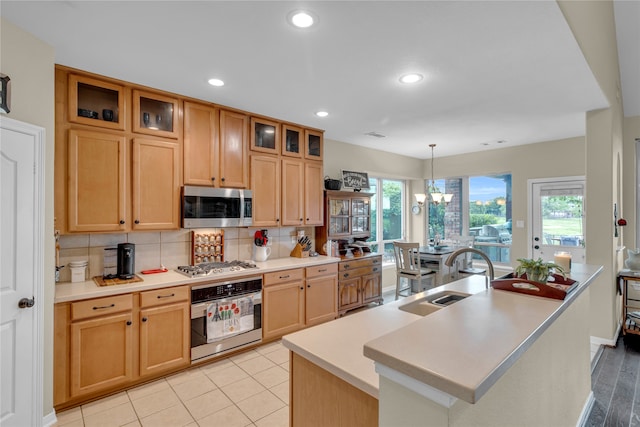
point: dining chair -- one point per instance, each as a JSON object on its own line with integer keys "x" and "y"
{"x": 467, "y": 267}
{"x": 408, "y": 266}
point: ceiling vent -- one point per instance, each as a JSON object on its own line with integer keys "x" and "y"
{"x": 375, "y": 135}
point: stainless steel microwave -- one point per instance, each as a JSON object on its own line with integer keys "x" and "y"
{"x": 206, "y": 207}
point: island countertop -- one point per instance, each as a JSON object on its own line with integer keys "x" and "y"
{"x": 460, "y": 350}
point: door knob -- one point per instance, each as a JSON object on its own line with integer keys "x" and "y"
{"x": 536, "y": 247}
{"x": 537, "y": 239}
{"x": 26, "y": 302}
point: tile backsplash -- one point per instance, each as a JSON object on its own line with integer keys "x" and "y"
{"x": 169, "y": 248}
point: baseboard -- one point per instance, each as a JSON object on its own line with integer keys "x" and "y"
{"x": 586, "y": 410}
{"x": 50, "y": 419}
{"x": 604, "y": 341}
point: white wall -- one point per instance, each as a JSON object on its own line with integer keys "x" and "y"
{"x": 29, "y": 63}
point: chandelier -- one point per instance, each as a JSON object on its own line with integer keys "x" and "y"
{"x": 437, "y": 196}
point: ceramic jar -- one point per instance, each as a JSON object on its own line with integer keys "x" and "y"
{"x": 633, "y": 260}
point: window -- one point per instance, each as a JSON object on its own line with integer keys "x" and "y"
{"x": 389, "y": 200}
{"x": 481, "y": 207}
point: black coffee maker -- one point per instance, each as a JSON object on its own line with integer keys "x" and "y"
{"x": 126, "y": 260}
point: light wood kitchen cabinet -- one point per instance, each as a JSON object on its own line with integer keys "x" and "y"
{"x": 165, "y": 320}
{"x": 101, "y": 344}
{"x": 359, "y": 282}
{"x": 95, "y": 102}
{"x": 104, "y": 344}
{"x": 292, "y": 141}
{"x": 302, "y": 185}
{"x": 215, "y": 147}
{"x": 155, "y": 185}
{"x": 283, "y": 296}
{"x": 96, "y": 181}
{"x": 265, "y": 183}
{"x": 265, "y": 136}
{"x": 155, "y": 114}
{"x": 314, "y": 144}
{"x": 321, "y": 294}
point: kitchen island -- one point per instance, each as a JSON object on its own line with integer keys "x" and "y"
{"x": 493, "y": 358}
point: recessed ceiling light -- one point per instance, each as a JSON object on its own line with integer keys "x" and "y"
{"x": 301, "y": 18}
{"x": 411, "y": 78}
{"x": 322, "y": 113}
{"x": 216, "y": 82}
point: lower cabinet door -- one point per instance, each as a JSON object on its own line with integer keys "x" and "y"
{"x": 321, "y": 300}
{"x": 371, "y": 288}
{"x": 164, "y": 338}
{"x": 101, "y": 354}
{"x": 284, "y": 309}
{"x": 349, "y": 294}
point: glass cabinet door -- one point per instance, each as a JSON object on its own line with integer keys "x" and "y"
{"x": 96, "y": 103}
{"x": 292, "y": 141}
{"x": 360, "y": 216}
{"x": 265, "y": 136}
{"x": 155, "y": 114}
{"x": 338, "y": 217}
{"x": 313, "y": 145}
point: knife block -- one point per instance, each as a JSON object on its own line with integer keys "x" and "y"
{"x": 297, "y": 252}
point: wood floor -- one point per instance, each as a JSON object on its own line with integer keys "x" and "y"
{"x": 615, "y": 382}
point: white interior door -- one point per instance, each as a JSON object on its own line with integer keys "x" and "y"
{"x": 21, "y": 273}
{"x": 557, "y": 218}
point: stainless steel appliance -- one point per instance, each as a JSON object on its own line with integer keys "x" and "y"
{"x": 225, "y": 316}
{"x": 126, "y": 260}
{"x": 212, "y": 268}
{"x": 205, "y": 207}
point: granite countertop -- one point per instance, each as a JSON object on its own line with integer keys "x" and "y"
{"x": 460, "y": 350}
{"x": 68, "y": 291}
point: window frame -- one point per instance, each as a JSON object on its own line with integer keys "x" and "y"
{"x": 379, "y": 225}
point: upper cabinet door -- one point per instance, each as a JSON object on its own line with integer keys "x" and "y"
{"x": 234, "y": 154}
{"x": 314, "y": 144}
{"x": 96, "y": 103}
{"x": 200, "y": 144}
{"x": 155, "y": 114}
{"x": 96, "y": 181}
{"x": 292, "y": 141}
{"x": 265, "y": 136}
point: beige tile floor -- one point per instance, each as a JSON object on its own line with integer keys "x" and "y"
{"x": 249, "y": 389}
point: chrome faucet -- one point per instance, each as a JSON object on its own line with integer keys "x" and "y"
{"x": 449, "y": 262}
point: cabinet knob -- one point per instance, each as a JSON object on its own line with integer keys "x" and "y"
{"x": 121, "y": 221}
{"x": 277, "y": 219}
{"x": 301, "y": 288}
{"x": 129, "y": 322}
{"x": 137, "y": 221}
{"x": 345, "y": 275}
{"x": 222, "y": 179}
{"x": 301, "y": 220}
{"x": 375, "y": 269}
{"x": 308, "y": 286}
{"x": 144, "y": 319}
{"x": 213, "y": 178}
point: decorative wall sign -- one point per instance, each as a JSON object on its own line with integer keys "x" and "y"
{"x": 355, "y": 180}
{"x": 5, "y": 93}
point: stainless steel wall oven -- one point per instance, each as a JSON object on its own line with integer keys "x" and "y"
{"x": 225, "y": 316}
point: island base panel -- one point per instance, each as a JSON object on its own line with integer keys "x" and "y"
{"x": 319, "y": 398}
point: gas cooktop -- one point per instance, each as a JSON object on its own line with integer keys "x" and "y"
{"x": 211, "y": 268}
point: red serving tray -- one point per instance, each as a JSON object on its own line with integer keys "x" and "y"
{"x": 558, "y": 289}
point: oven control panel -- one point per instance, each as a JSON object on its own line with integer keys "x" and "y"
{"x": 215, "y": 291}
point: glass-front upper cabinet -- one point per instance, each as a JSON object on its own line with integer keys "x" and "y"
{"x": 265, "y": 136}
{"x": 155, "y": 114}
{"x": 339, "y": 217}
{"x": 97, "y": 103}
{"x": 360, "y": 216}
{"x": 292, "y": 145}
{"x": 313, "y": 144}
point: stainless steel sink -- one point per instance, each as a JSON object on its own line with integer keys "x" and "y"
{"x": 432, "y": 303}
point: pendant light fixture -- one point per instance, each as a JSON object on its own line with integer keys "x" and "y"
{"x": 436, "y": 196}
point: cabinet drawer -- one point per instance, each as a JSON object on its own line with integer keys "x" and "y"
{"x": 283, "y": 276}
{"x": 164, "y": 296}
{"x": 101, "y": 306}
{"x": 358, "y": 272}
{"x": 350, "y": 265}
{"x": 322, "y": 270}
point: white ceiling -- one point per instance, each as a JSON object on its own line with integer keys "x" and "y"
{"x": 494, "y": 71}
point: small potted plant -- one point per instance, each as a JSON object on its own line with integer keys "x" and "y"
{"x": 537, "y": 270}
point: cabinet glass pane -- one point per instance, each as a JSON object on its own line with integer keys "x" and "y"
{"x": 292, "y": 141}
{"x": 339, "y": 207}
{"x": 314, "y": 145}
{"x": 98, "y": 103}
{"x": 339, "y": 225}
{"x": 265, "y": 136}
{"x": 156, "y": 115}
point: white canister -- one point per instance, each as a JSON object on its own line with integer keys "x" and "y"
{"x": 262, "y": 253}
{"x": 78, "y": 270}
